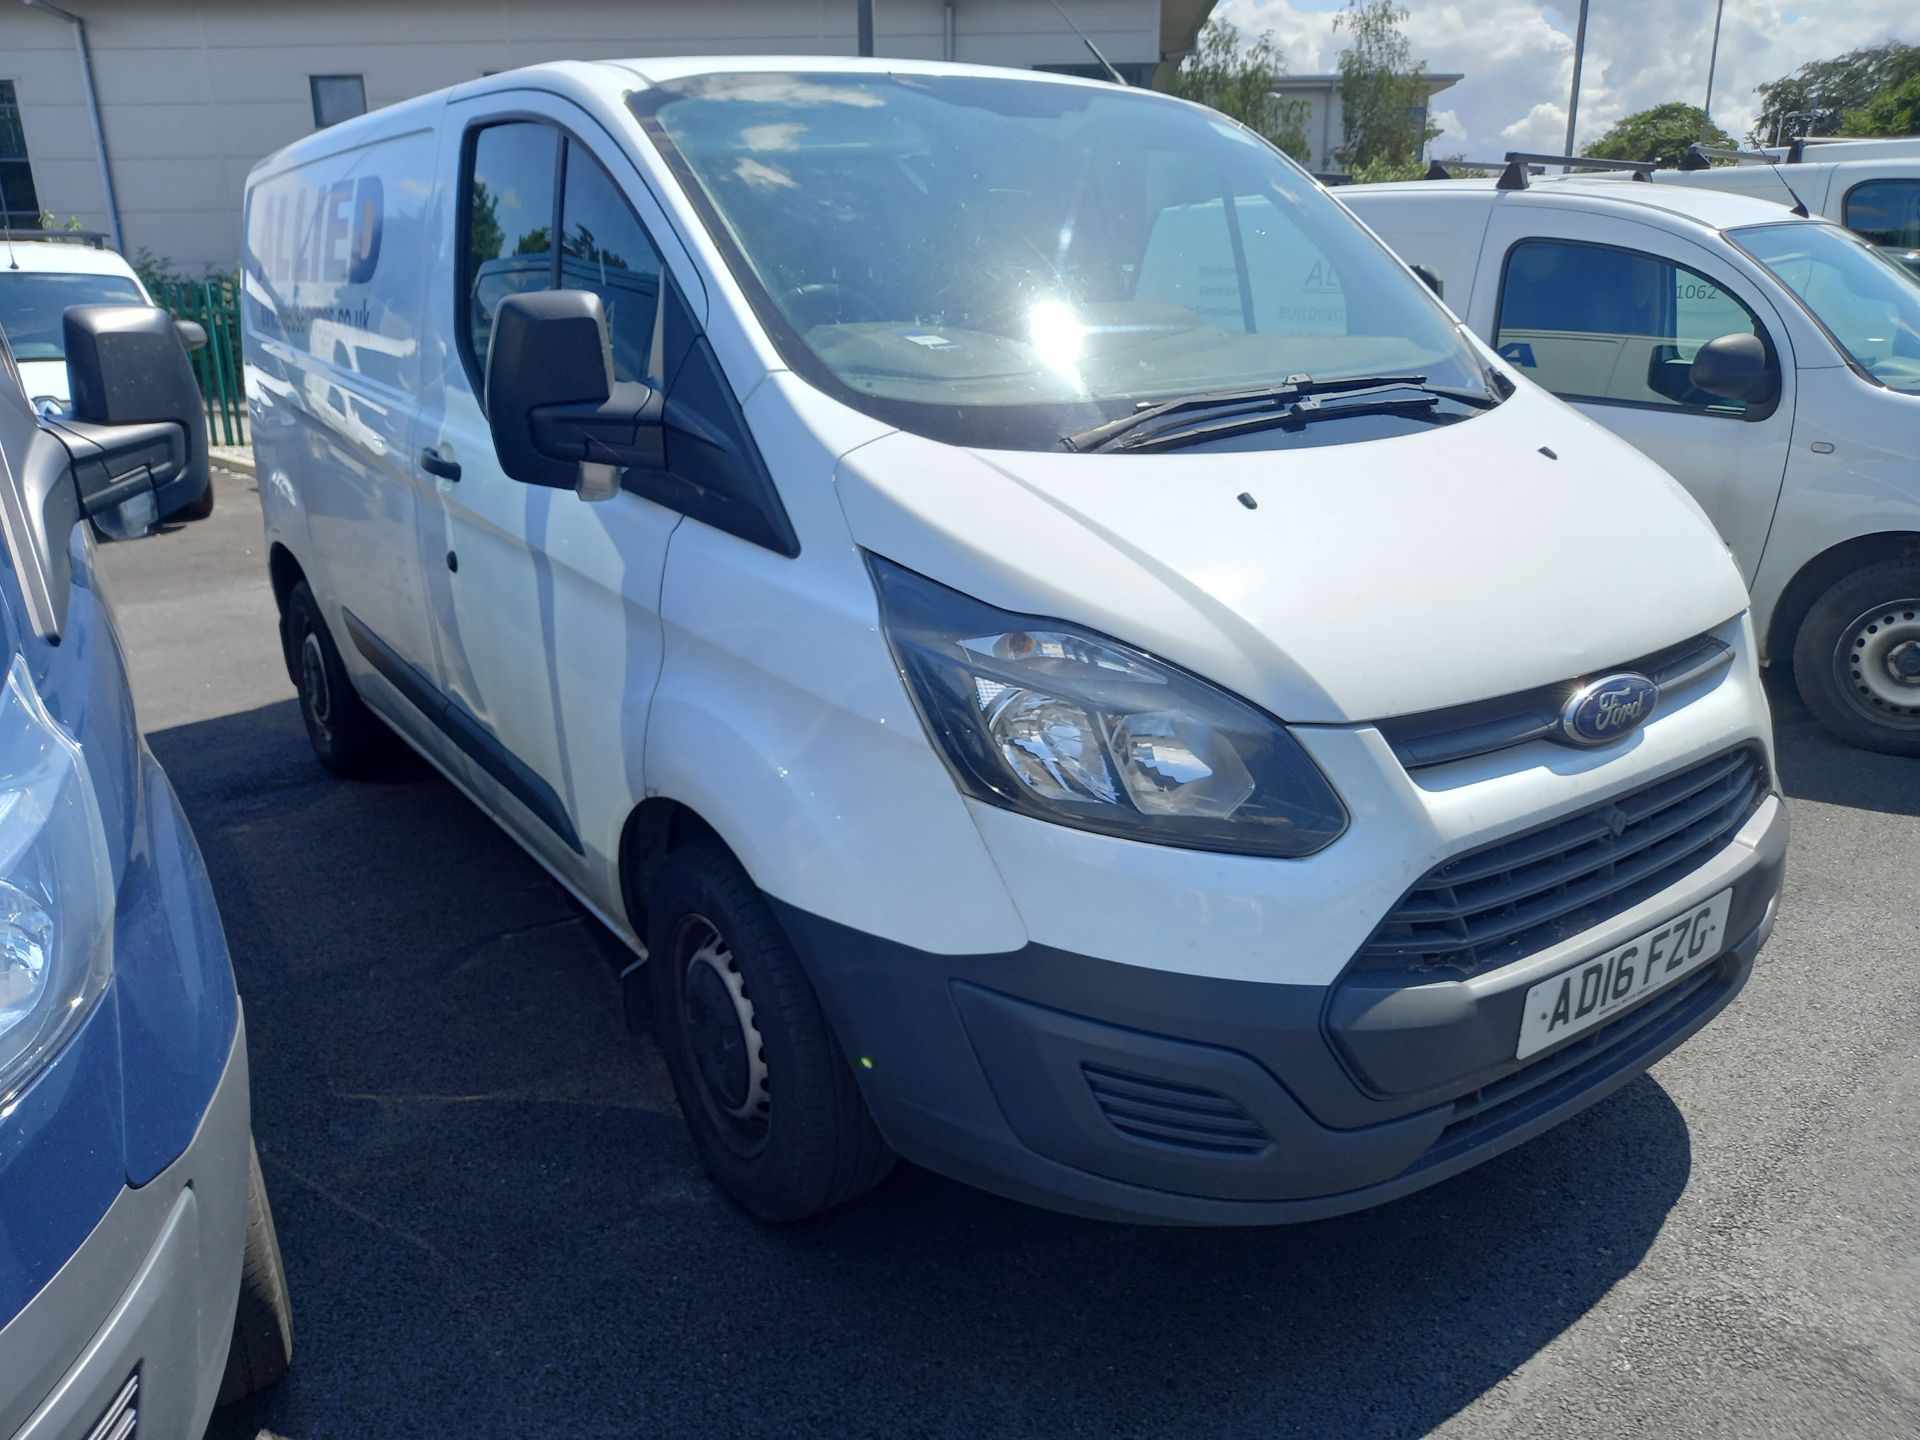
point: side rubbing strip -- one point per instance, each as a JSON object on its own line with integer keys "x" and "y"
{"x": 479, "y": 744}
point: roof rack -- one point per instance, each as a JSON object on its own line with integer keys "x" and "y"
{"x": 1438, "y": 170}
{"x": 96, "y": 238}
{"x": 1701, "y": 157}
{"x": 1520, "y": 161}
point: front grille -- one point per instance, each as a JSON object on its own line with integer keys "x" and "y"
{"x": 1507, "y": 900}
{"x": 1459, "y": 732}
{"x": 1183, "y": 1116}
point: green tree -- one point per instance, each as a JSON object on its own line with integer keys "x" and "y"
{"x": 1661, "y": 133}
{"x": 1237, "y": 79}
{"x": 1383, "y": 93}
{"x": 484, "y": 235}
{"x": 1894, "y": 111}
{"x": 1816, "y": 98}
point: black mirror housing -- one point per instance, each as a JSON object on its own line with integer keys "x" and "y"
{"x": 1432, "y": 281}
{"x": 1736, "y": 367}
{"x": 558, "y": 416}
{"x": 128, "y": 366}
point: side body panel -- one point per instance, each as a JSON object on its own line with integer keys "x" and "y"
{"x": 334, "y": 273}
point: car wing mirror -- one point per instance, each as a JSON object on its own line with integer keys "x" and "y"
{"x": 558, "y": 416}
{"x": 132, "y": 385}
{"x": 1431, "y": 280}
{"x": 1736, "y": 367}
{"x": 192, "y": 334}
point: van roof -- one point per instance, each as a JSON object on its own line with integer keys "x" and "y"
{"x": 615, "y": 79}
{"x": 1712, "y": 209}
{"x": 62, "y": 257}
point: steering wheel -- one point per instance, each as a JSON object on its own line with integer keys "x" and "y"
{"x": 826, "y": 302}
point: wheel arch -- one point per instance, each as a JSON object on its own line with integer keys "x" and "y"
{"x": 1821, "y": 573}
{"x": 657, "y": 827}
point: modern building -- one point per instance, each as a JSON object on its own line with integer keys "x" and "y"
{"x": 142, "y": 117}
{"x": 1325, "y": 125}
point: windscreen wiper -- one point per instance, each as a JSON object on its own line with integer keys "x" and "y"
{"x": 1181, "y": 431}
{"x": 1293, "y": 400}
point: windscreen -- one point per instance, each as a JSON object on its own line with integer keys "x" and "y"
{"x": 34, "y": 302}
{"x": 999, "y": 261}
{"x": 1868, "y": 304}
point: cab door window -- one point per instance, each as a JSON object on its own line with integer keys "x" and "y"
{"x": 508, "y": 234}
{"x": 526, "y": 183}
{"x": 1598, "y": 323}
{"x": 605, "y": 250}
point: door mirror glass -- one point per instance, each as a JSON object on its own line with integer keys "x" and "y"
{"x": 1735, "y": 367}
{"x": 558, "y": 416}
{"x": 129, "y": 371}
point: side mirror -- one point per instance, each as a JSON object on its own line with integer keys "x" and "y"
{"x": 558, "y": 416}
{"x": 1432, "y": 281}
{"x": 133, "y": 391}
{"x": 192, "y": 333}
{"x": 1735, "y": 367}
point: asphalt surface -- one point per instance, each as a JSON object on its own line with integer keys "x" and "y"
{"x": 494, "y": 1224}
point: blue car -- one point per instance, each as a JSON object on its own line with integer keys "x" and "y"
{"x": 140, "y": 1278}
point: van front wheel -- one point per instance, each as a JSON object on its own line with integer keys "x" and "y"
{"x": 1857, "y": 658}
{"x": 775, "y": 1112}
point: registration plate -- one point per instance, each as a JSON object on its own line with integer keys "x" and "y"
{"x": 1596, "y": 990}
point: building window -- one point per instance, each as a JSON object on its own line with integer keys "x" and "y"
{"x": 19, "y": 201}
{"x": 337, "y": 98}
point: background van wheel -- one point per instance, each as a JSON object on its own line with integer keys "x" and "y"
{"x": 1857, "y": 658}
{"x": 773, "y": 1105}
{"x": 262, "y": 1344}
{"x": 348, "y": 737}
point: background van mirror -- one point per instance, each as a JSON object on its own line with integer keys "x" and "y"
{"x": 1735, "y": 367}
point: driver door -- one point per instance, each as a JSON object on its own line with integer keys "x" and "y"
{"x": 1608, "y": 315}
{"x": 545, "y": 607}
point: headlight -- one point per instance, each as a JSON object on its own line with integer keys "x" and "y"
{"x": 1068, "y": 726}
{"x": 56, "y": 887}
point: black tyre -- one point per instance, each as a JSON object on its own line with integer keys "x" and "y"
{"x": 349, "y": 738}
{"x": 199, "y": 509}
{"x": 262, "y": 1344}
{"x": 1856, "y": 659}
{"x": 773, "y": 1105}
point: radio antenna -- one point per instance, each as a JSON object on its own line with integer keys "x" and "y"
{"x": 1093, "y": 49}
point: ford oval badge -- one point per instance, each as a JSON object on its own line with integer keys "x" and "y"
{"x": 1604, "y": 710}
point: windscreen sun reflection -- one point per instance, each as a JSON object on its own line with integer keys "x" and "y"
{"x": 1058, "y": 338}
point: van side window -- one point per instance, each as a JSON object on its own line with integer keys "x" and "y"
{"x": 603, "y": 249}
{"x": 1591, "y": 322}
{"x": 509, "y": 221}
{"x": 1885, "y": 213}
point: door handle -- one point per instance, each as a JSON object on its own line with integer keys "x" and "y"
{"x": 434, "y": 463}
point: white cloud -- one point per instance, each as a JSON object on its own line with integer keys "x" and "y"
{"x": 1517, "y": 56}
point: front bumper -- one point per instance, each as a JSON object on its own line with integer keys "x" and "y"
{"x": 149, "y": 1293}
{"x": 1127, "y": 1092}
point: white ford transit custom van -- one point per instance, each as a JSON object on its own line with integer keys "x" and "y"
{"x": 1069, "y": 665}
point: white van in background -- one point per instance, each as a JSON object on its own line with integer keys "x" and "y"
{"x": 1870, "y": 186}
{"x": 1770, "y": 363}
{"x": 1066, "y": 661}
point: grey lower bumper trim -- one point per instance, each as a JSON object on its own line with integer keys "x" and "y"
{"x": 152, "y": 1288}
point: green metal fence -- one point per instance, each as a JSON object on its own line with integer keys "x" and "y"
{"x": 215, "y": 304}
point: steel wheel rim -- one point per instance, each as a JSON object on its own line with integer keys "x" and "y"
{"x": 1878, "y": 664}
{"x": 724, "y": 1043}
{"x": 313, "y": 682}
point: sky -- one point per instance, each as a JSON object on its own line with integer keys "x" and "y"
{"x": 1517, "y": 56}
